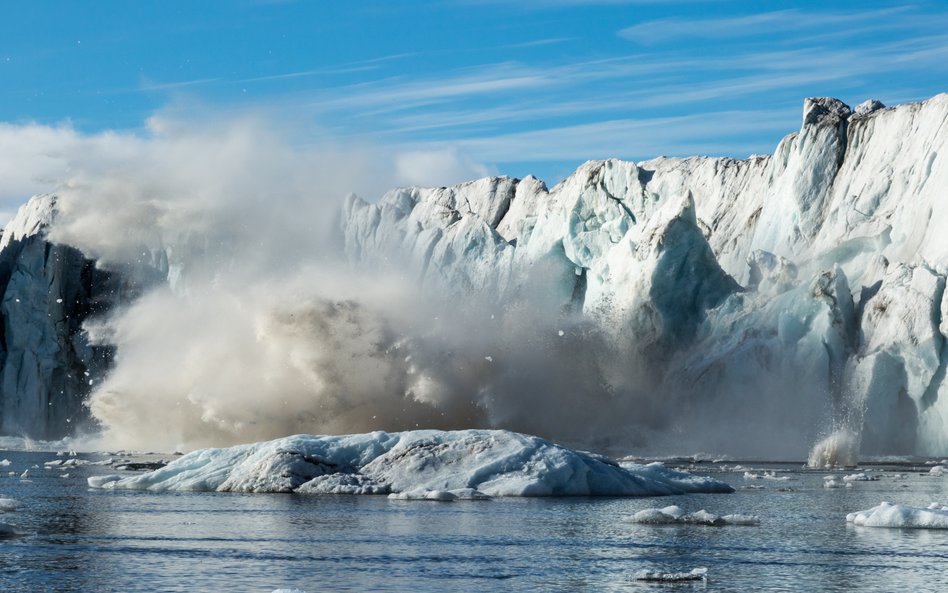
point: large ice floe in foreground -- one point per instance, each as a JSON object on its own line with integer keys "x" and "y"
{"x": 897, "y": 515}
{"x": 429, "y": 464}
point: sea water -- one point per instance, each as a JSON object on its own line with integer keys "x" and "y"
{"x": 70, "y": 538}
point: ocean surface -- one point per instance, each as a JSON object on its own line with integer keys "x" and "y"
{"x": 70, "y": 538}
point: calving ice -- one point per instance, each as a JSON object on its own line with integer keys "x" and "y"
{"x": 758, "y": 305}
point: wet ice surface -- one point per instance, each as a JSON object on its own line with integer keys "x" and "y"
{"x": 72, "y": 538}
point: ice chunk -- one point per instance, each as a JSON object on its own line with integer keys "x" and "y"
{"x": 896, "y": 515}
{"x": 860, "y": 477}
{"x": 938, "y": 470}
{"x": 492, "y": 462}
{"x": 765, "y": 475}
{"x": 695, "y": 574}
{"x": 676, "y": 515}
{"x": 9, "y": 504}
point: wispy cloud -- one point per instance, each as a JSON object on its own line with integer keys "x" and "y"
{"x": 710, "y": 133}
{"x": 761, "y": 24}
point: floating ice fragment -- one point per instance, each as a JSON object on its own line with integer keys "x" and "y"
{"x": 860, "y": 477}
{"x": 9, "y": 504}
{"x": 4, "y": 463}
{"x": 696, "y": 574}
{"x": 766, "y": 475}
{"x": 938, "y": 470}
{"x": 896, "y": 515}
{"x": 675, "y": 515}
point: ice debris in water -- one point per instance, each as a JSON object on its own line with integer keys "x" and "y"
{"x": 860, "y": 477}
{"x": 9, "y": 504}
{"x": 674, "y": 514}
{"x": 440, "y": 495}
{"x": 765, "y": 475}
{"x": 696, "y": 574}
{"x": 492, "y": 462}
{"x": 833, "y": 482}
{"x": 938, "y": 470}
{"x": 896, "y": 515}
{"x": 5, "y": 463}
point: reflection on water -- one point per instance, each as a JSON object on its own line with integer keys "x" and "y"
{"x": 74, "y": 539}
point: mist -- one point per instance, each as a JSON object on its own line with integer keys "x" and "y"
{"x": 244, "y": 322}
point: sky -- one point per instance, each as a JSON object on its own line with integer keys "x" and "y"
{"x": 454, "y": 89}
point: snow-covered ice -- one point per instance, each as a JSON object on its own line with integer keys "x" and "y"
{"x": 490, "y": 462}
{"x": 896, "y": 515}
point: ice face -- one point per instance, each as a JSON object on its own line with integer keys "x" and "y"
{"x": 761, "y": 305}
{"x": 839, "y": 325}
{"x": 426, "y": 465}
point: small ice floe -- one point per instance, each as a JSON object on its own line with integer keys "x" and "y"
{"x": 860, "y": 477}
{"x": 4, "y": 463}
{"x": 675, "y": 515}
{"x": 63, "y": 463}
{"x": 695, "y": 574}
{"x": 8, "y": 504}
{"x": 832, "y": 482}
{"x": 25, "y": 474}
{"x": 440, "y": 495}
{"x": 765, "y": 475}
{"x": 938, "y": 470}
{"x": 897, "y": 515}
{"x": 288, "y": 591}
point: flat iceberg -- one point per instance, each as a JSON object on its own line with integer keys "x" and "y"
{"x": 429, "y": 464}
{"x": 897, "y": 515}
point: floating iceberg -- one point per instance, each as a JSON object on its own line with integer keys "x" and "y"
{"x": 896, "y": 515}
{"x": 467, "y": 463}
{"x": 674, "y": 514}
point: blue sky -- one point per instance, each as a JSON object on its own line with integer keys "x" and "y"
{"x": 510, "y": 87}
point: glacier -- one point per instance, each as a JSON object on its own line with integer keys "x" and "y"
{"x": 421, "y": 464}
{"x": 761, "y": 305}
{"x": 795, "y": 295}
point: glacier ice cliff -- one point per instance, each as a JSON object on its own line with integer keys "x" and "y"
{"x": 787, "y": 295}
{"x": 752, "y": 306}
{"x": 47, "y": 364}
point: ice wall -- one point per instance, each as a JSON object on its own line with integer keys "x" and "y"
{"x": 47, "y": 365}
{"x": 791, "y": 295}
